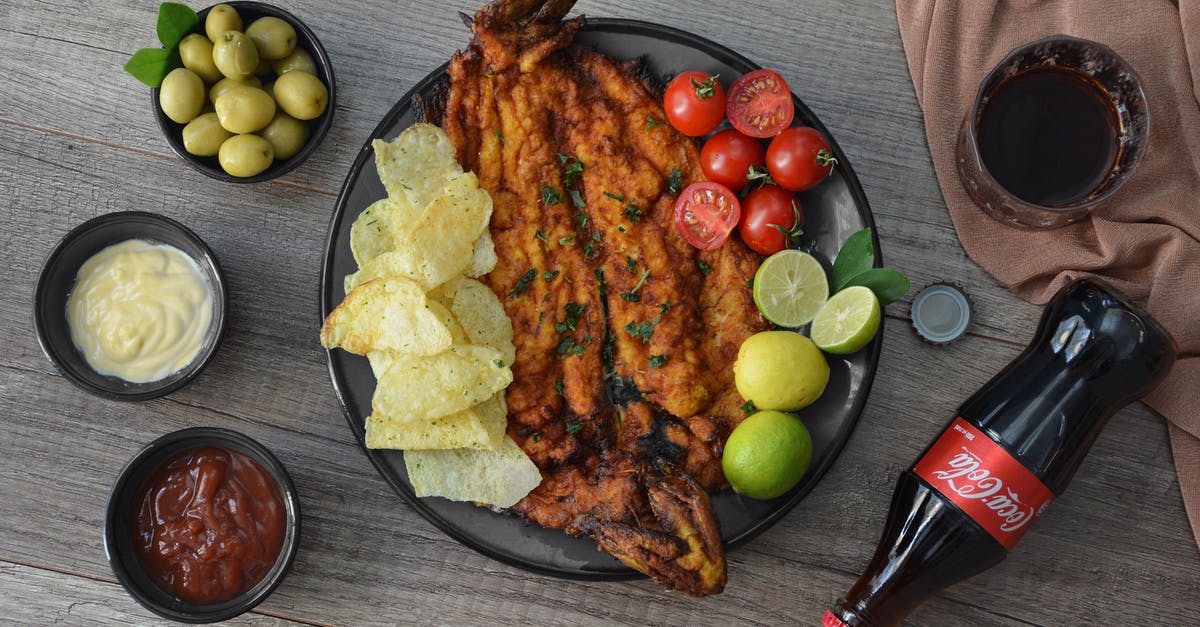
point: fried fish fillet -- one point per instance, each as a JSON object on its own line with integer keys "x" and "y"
{"x": 626, "y": 336}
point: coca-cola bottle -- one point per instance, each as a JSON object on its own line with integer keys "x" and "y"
{"x": 1013, "y": 446}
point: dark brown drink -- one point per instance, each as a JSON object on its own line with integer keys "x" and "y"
{"x": 1049, "y": 135}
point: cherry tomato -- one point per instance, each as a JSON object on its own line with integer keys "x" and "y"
{"x": 705, "y": 214}
{"x": 799, "y": 158}
{"x": 727, "y": 157}
{"x": 760, "y": 104}
{"x": 694, "y": 103}
{"x": 771, "y": 219}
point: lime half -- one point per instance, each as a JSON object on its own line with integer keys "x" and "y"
{"x": 847, "y": 322}
{"x": 789, "y": 288}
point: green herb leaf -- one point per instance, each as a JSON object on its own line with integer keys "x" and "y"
{"x": 574, "y": 427}
{"x": 567, "y": 241}
{"x": 704, "y": 267}
{"x": 550, "y": 196}
{"x": 537, "y": 436}
{"x": 643, "y": 330}
{"x": 558, "y": 387}
{"x": 630, "y": 264}
{"x": 662, "y": 311}
{"x": 499, "y": 135}
{"x": 576, "y": 199}
{"x": 572, "y": 168}
{"x": 674, "y": 181}
{"x": 174, "y": 21}
{"x": 651, "y": 123}
{"x": 523, "y": 283}
{"x": 889, "y": 285}
{"x": 633, "y": 212}
{"x": 856, "y": 256}
{"x": 658, "y": 361}
{"x": 748, "y": 408}
{"x": 549, "y": 275}
{"x": 499, "y": 363}
{"x": 632, "y": 295}
{"x": 150, "y": 65}
{"x": 615, "y": 197}
{"x": 540, "y": 236}
{"x": 600, "y": 282}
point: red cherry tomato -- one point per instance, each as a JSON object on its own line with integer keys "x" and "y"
{"x": 799, "y": 158}
{"x": 771, "y": 219}
{"x": 727, "y": 157}
{"x": 705, "y": 214}
{"x": 760, "y": 104}
{"x": 694, "y": 103}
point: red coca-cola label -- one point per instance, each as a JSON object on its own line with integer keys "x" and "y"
{"x": 831, "y": 621}
{"x": 985, "y": 481}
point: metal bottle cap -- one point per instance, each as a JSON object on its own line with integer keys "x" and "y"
{"x": 941, "y": 313}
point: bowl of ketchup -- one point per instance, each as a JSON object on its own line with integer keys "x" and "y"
{"x": 202, "y": 525}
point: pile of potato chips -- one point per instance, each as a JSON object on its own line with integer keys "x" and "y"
{"x": 439, "y": 342}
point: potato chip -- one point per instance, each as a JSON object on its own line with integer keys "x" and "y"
{"x": 480, "y": 427}
{"x": 379, "y": 226}
{"x": 386, "y": 314}
{"x": 483, "y": 259}
{"x": 416, "y": 388}
{"x": 417, "y": 164}
{"x": 499, "y": 478}
{"x": 481, "y": 315}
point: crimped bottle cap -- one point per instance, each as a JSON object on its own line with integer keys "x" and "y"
{"x": 941, "y": 313}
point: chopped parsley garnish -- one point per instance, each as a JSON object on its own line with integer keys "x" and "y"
{"x": 704, "y": 267}
{"x": 620, "y": 228}
{"x": 601, "y": 283}
{"x": 542, "y": 237}
{"x": 643, "y": 330}
{"x": 549, "y": 275}
{"x": 523, "y": 283}
{"x": 750, "y": 282}
{"x": 568, "y": 347}
{"x": 748, "y": 408}
{"x": 632, "y": 295}
{"x": 581, "y": 218}
{"x": 576, "y": 198}
{"x": 558, "y": 387}
{"x": 574, "y": 427}
{"x": 662, "y": 311}
{"x": 630, "y": 264}
{"x": 658, "y": 361}
{"x": 674, "y": 181}
{"x": 537, "y": 436}
{"x": 572, "y": 168}
{"x": 615, "y": 197}
{"x": 550, "y": 196}
{"x": 499, "y": 363}
{"x": 499, "y": 135}
{"x": 567, "y": 241}
{"x": 590, "y": 247}
{"x": 651, "y": 122}
{"x": 633, "y": 212}
{"x": 573, "y": 311}
{"x": 608, "y": 349}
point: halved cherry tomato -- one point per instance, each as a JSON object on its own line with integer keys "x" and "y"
{"x": 727, "y": 157}
{"x": 705, "y": 214}
{"x": 771, "y": 219}
{"x": 799, "y": 158}
{"x": 694, "y": 103}
{"x": 760, "y": 104}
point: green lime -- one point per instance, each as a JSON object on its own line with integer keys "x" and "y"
{"x": 847, "y": 322}
{"x": 780, "y": 370}
{"x": 767, "y": 454}
{"x": 789, "y": 288}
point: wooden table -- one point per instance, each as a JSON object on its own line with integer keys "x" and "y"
{"x": 77, "y": 140}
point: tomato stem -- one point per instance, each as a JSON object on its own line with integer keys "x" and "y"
{"x": 705, "y": 89}
{"x": 825, "y": 158}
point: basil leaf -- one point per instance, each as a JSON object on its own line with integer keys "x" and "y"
{"x": 150, "y": 65}
{"x": 855, "y": 257}
{"x": 174, "y": 21}
{"x": 889, "y": 285}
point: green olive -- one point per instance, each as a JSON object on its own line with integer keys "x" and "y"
{"x": 196, "y": 53}
{"x": 297, "y": 60}
{"x": 235, "y": 55}
{"x": 244, "y": 109}
{"x": 274, "y": 37}
{"x": 220, "y": 19}
{"x": 204, "y": 135}
{"x": 245, "y": 155}
{"x": 301, "y": 95}
{"x": 181, "y": 95}
{"x": 286, "y": 134}
{"x": 224, "y": 84}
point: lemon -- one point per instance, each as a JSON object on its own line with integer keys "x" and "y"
{"x": 780, "y": 370}
{"x": 789, "y": 288}
{"x": 847, "y": 322}
{"x": 767, "y": 454}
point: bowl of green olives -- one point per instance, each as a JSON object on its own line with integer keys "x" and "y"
{"x": 255, "y": 95}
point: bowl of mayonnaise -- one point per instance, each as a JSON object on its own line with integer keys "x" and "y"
{"x": 130, "y": 306}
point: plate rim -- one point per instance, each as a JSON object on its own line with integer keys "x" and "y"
{"x": 723, "y": 54}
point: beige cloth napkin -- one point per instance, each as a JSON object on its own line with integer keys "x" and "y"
{"x": 1145, "y": 239}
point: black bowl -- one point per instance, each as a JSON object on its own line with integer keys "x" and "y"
{"x": 118, "y": 540}
{"x": 318, "y": 127}
{"x": 57, "y": 278}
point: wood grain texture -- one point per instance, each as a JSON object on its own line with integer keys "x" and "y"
{"x": 77, "y": 140}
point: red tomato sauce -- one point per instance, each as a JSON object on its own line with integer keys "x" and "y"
{"x": 209, "y": 524}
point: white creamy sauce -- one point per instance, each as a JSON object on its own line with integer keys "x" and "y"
{"x": 139, "y": 311}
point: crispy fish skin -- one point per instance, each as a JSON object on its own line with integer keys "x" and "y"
{"x": 602, "y": 290}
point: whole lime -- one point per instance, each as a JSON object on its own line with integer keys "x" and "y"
{"x": 767, "y": 454}
{"x": 780, "y": 370}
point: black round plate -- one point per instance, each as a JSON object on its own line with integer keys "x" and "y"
{"x": 834, "y": 210}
